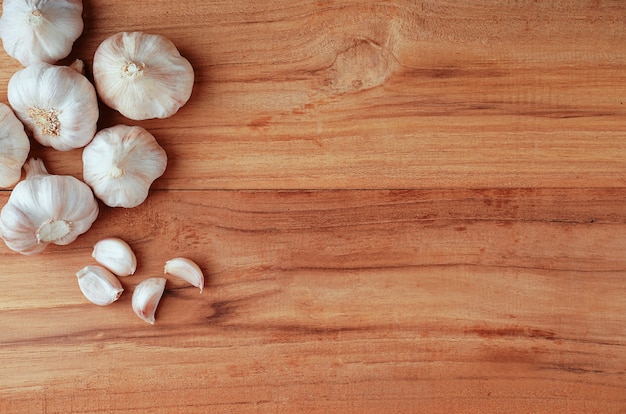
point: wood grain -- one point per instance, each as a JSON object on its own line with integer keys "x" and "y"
{"x": 399, "y": 207}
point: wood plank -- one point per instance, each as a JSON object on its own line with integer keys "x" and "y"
{"x": 389, "y": 94}
{"x": 353, "y": 301}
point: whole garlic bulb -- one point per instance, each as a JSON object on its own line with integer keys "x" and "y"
{"x": 40, "y": 30}
{"x": 141, "y": 75}
{"x": 56, "y": 103}
{"x": 120, "y": 164}
{"x": 45, "y": 209}
{"x": 14, "y": 147}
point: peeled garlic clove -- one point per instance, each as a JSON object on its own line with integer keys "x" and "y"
{"x": 57, "y": 104}
{"x": 142, "y": 75}
{"x": 40, "y": 31}
{"x": 99, "y": 285}
{"x": 116, "y": 255}
{"x": 45, "y": 208}
{"x": 146, "y": 298}
{"x": 121, "y": 163}
{"x": 14, "y": 147}
{"x": 185, "y": 269}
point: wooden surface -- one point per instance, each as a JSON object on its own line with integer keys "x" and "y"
{"x": 399, "y": 206}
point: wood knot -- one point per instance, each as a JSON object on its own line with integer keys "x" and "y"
{"x": 364, "y": 65}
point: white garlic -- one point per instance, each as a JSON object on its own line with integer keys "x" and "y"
{"x": 57, "y": 104}
{"x": 142, "y": 75}
{"x": 45, "y": 208}
{"x": 14, "y": 147}
{"x": 121, "y": 163}
{"x": 40, "y": 30}
{"x": 146, "y": 298}
{"x": 116, "y": 255}
{"x": 185, "y": 269}
{"x": 99, "y": 286}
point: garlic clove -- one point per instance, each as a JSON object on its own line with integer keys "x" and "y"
{"x": 99, "y": 286}
{"x": 40, "y": 31}
{"x": 116, "y": 255}
{"x": 146, "y": 298}
{"x": 121, "y": 163}
{"x": 57, "y": 105}
{"x": 185, "y": 269}
{"x": 14, "y": 147}
{"x": 142, "y": 75}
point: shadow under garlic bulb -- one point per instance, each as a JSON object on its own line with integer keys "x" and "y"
{"x": 57, "y": 104}
{"x": 45, "y": 208}
{"x": 40, "y": 31}
{"x": 143, "y": 76}
{"x": 14, "y": 147}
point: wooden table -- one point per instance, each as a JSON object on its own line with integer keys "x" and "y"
{"x": 399, "y": 206}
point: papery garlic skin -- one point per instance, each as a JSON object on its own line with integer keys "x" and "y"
{"x": 146, "y": 298}
{"x": 185, "y": 269}
{"x": 14, "y": 147}
{"x": 40, "y": 30}
{"x": 45, "y": 208}
{"x": 142, "y": 75}
{"x": 99, "y": 286}
{"x": 120, "y": 164}
{"x": 57, "y": 104}
{"x": 116, "y": 255}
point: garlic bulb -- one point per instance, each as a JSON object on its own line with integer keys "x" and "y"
{"x": 14, "y": 147}
{"x": 45, "y": 209}
{"x": 40, "y": 30}
{"x": 99, "y": 286}
{"x": 141, "y": 75}
{"x": 116, "y": 255}
{"x": 121, "y": 163}
{"x": 146, "y": 298}
{"x": 58, "y": 105}
{"x": 185, "y": 269}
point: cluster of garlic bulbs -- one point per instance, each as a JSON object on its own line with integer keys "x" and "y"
{"x": 142, "y": 76}
{"x": 101, "y": 286}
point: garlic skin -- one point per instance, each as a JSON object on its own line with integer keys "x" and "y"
{"x": 120, "y": 164}
{"x": 185, "y": 269}
{"x": 143, "y": 76}
{"x": 45, "y": 208}
{"x": 115, "y": 255}
{"x": 14, "y": 147}
{"x": 57, "y": 104}
{"x": 99, "y": 286}
{"x": 40, "y": 30}
{"x": 146, "y": 298}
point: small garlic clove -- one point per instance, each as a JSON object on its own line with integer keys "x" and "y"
{"x": 185, "y": 269}
{"x": 99, "y": 286}
{"x": 116, "y": 255}
{"x": 146, "y": 298}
